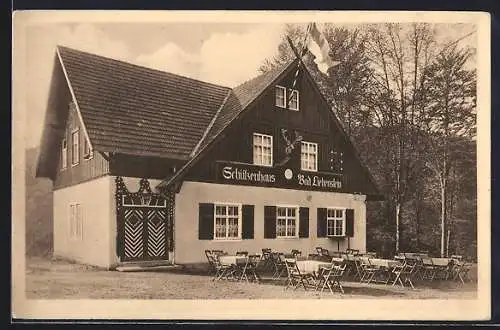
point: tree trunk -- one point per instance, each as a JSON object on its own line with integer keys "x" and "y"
{"x": 398, "y": 215}
{"x": 443, "y": 215}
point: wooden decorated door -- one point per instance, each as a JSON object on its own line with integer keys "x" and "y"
{"x": 144, "y": 224}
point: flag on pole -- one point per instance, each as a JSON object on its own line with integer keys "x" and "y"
{"x": 320, "y": 49}
{"x": 302, "y": 52}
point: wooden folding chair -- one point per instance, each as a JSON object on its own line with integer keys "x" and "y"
{"x": 251, "y": 269}
{"x": 396, "y": 273}
{"x": 331, "y": 276}
{"x": 295, "y": 277}
{"x": 223, "y": 271}
{"x": 408, "y": 273}
{"x": 428, "y": 269}
{"x": 211, "y": 263}
{"x": 266, "y": 261}
{"x": 461, "y": 271}
{"x": 279, "y": 264}
{"x": 368, "y": 270}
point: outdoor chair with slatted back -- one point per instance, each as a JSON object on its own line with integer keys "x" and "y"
{"x": 331, "y": 276}
{"x": 408, "y": 274}
{"x": 279, "y": 264}
{"x": 251, "y": 270}
{"x": 397, "y": 270}
{"x": 296, "y": 253}
{"x": 368, "y": 270}
{"x": 428, "y": 269}
{"x": 295, "y": 277}
{"x": 211, "y": 262}
{"x": 461, "y": 271}
{"x": 222, "y": 271}
{"x": 266, "y": 262}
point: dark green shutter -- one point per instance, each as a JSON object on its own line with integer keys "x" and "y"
{"x": 269, "y": 221}
{"x": 349, "y": 222}
{"x": 321, "y": 222}
{"x": 206, "y": 221}
{"x": 304, "y": 222}
{"x": 247, "y": 218}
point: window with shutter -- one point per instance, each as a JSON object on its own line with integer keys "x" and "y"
{"x": 321, "y": 225}
{"x": 227, "y": 221}
{"x": 335, "y": 222}
{"x": 248, "y": 221}
{"x": 349, "y": 219}
{"x": 269, "y": 221}
{"x": 206, "y": 221}
{"x": 304, "y": 222}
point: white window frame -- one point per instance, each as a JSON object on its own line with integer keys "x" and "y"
{"x": 335, "y": 220}
{"x": 87, "y": 153}
{"x": 226, "y": 216}
{"x": 284, "y": 105}
{"x": 302, "y": 160}
{"x": 296, "y": 217}
{"x": 73, "y": 132}
{"x": 64, "y": 154}
{"x": 291, "y": 92}
{"x": 262, "y": 136}
{"x": 76, "y": 221}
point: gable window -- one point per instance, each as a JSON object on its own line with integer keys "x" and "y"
{"x": 64, "y": 154}
{"x": 286, "y": 221}
{"x": 281, "y": 96}
{"x": 262, "y": 149}
{"x": 75, "y": 147}
{"x": 86, "y": 150}
{"x": 75, "y": 222}
{"x": 286, "y": 99}
{"x": 335, "y": 222}
{"x": 227, "y": 221}
{"x": 309, "y": 156}
{"x": 294, "y": 99}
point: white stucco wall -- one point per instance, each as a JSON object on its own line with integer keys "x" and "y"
{"x": 97, "y": 204}
{"x": 189, "y": 249}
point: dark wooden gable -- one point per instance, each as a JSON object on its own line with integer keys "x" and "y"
{"x": 314, "y": 121}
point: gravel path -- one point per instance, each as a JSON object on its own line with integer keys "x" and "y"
{"x": 55, "y": 279}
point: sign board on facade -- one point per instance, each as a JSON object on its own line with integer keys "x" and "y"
{"x": 278, "y": 177}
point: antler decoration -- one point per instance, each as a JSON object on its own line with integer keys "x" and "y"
{"x": 290, "y": 146}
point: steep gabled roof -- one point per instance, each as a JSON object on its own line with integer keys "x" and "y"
{"x": 239, "y": 100}
{"x": 135, "y": 110}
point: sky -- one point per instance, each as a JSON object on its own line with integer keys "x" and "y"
{"x": 221, "y": 53}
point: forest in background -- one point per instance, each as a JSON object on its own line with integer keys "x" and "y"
{"x": 408, "y": 103}
{"x": 409, "y": 106}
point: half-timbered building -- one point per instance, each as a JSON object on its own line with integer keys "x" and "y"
{"x": 149, "y": 165}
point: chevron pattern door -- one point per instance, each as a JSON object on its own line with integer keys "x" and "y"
{"x": 144, "y": 233}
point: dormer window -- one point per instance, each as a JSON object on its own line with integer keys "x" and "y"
{"x": 281, "y": 96}
{"x": 75, "y": 147}
{"x": 287, "y": 100}
{"x": 64, "y": 154}
{"x": 294, "y": 100}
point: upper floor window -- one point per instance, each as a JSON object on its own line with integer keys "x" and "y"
{"x": 335, "y": 222}
{"x": 262, "y": 149}
{"x": 286, "y": 221}
{"x": 64, "y": 154}
{"x": 75, "y": 147}
{"x": 286, "y": 99}
{"x": 309, "y": 156}
{"x": 281, "y": 96}
{"x": 227, "y": 221}
{"x": 294, "y": 99}
{"x": 87, "y": 154}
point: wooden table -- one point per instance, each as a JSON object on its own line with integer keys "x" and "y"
{"x": 232, "y": 260}
{"x": 442, "y": 262}
{"x": 387, "y": 263}
{"x": 311, "y": 266}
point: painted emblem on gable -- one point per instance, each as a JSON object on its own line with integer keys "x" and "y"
{"x": 290, "y": 145}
